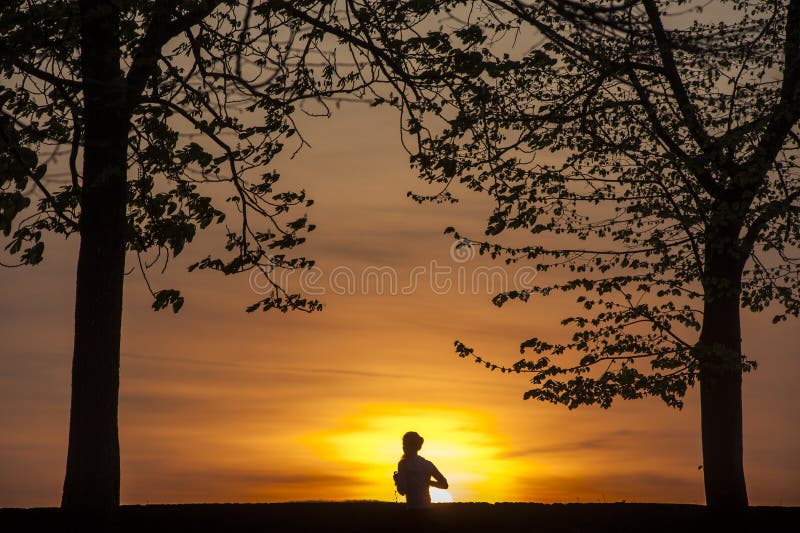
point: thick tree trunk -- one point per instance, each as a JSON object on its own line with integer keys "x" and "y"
{"x": 92, "y": 477}
{"x": 720, "y": 354}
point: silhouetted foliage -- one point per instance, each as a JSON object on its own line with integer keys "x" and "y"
{"x": 649, "y": 150}
{"x": 210, "y": 109}
{"x": 129, "y": 123}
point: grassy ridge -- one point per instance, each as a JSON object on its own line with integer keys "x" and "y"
{"x": 376, "y": 517}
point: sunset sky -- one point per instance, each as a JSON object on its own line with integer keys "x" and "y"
{"x": 217, "y": 405}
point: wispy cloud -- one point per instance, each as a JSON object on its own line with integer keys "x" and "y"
{"x": 601, "y": 442}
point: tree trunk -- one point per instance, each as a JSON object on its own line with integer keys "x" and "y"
{"x": 720, "y": 354}
{"x": 92, "y": 476}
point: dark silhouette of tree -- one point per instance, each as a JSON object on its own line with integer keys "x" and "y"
{"x": 159, "y": 109}
{"x": 648, "y": 148}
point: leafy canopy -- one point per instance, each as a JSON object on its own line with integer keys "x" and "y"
{"x": 210, "y": 89}
{"x": 645, "y": 150}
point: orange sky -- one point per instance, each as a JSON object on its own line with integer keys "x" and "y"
{"x": 218, "y": 405}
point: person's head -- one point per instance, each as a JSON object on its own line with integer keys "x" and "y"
{"x": 412, "y": 442}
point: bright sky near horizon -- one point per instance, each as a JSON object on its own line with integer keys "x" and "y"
{"x": 222, "y": 406}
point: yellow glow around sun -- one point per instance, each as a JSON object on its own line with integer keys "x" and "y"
{"x": 462, "y": 443}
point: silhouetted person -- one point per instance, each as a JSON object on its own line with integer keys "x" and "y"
{"x": 416, "y": 474}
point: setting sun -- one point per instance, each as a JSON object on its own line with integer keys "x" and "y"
{"x": 441, "y": 496}
{"x": 461, "y": 442}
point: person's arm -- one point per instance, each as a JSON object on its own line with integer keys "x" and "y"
{"x": 438, "y": 479}
{"x": 400, "y": 479}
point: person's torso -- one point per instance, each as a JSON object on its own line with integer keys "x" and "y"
{"x": 417, "y": 473}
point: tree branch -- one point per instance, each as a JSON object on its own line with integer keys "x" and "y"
{"x": 347, "y": 37}
{"x": 43, "y": 74}
{"x": 35, "y": 175}
{"x": 787, "y": 112}
{"x": 685, "y": 105}
{"x": 768, "y": 213}
{"x": 159, "y": 31}
{"x": 703, "y": 177}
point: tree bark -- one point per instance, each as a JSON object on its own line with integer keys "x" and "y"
{"x": 92, "y": 476}
{"x": 720, "y": 355}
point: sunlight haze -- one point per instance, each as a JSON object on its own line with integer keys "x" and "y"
{"x": 217, "y": 405}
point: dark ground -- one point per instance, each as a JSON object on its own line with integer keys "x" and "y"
{"x": 390, "y": 517}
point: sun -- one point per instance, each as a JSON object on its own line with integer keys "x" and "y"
{"x": 440, "y": 496}
{"x": 461, "y": 442}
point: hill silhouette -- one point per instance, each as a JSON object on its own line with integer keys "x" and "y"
{"x": 353, "y": 517}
